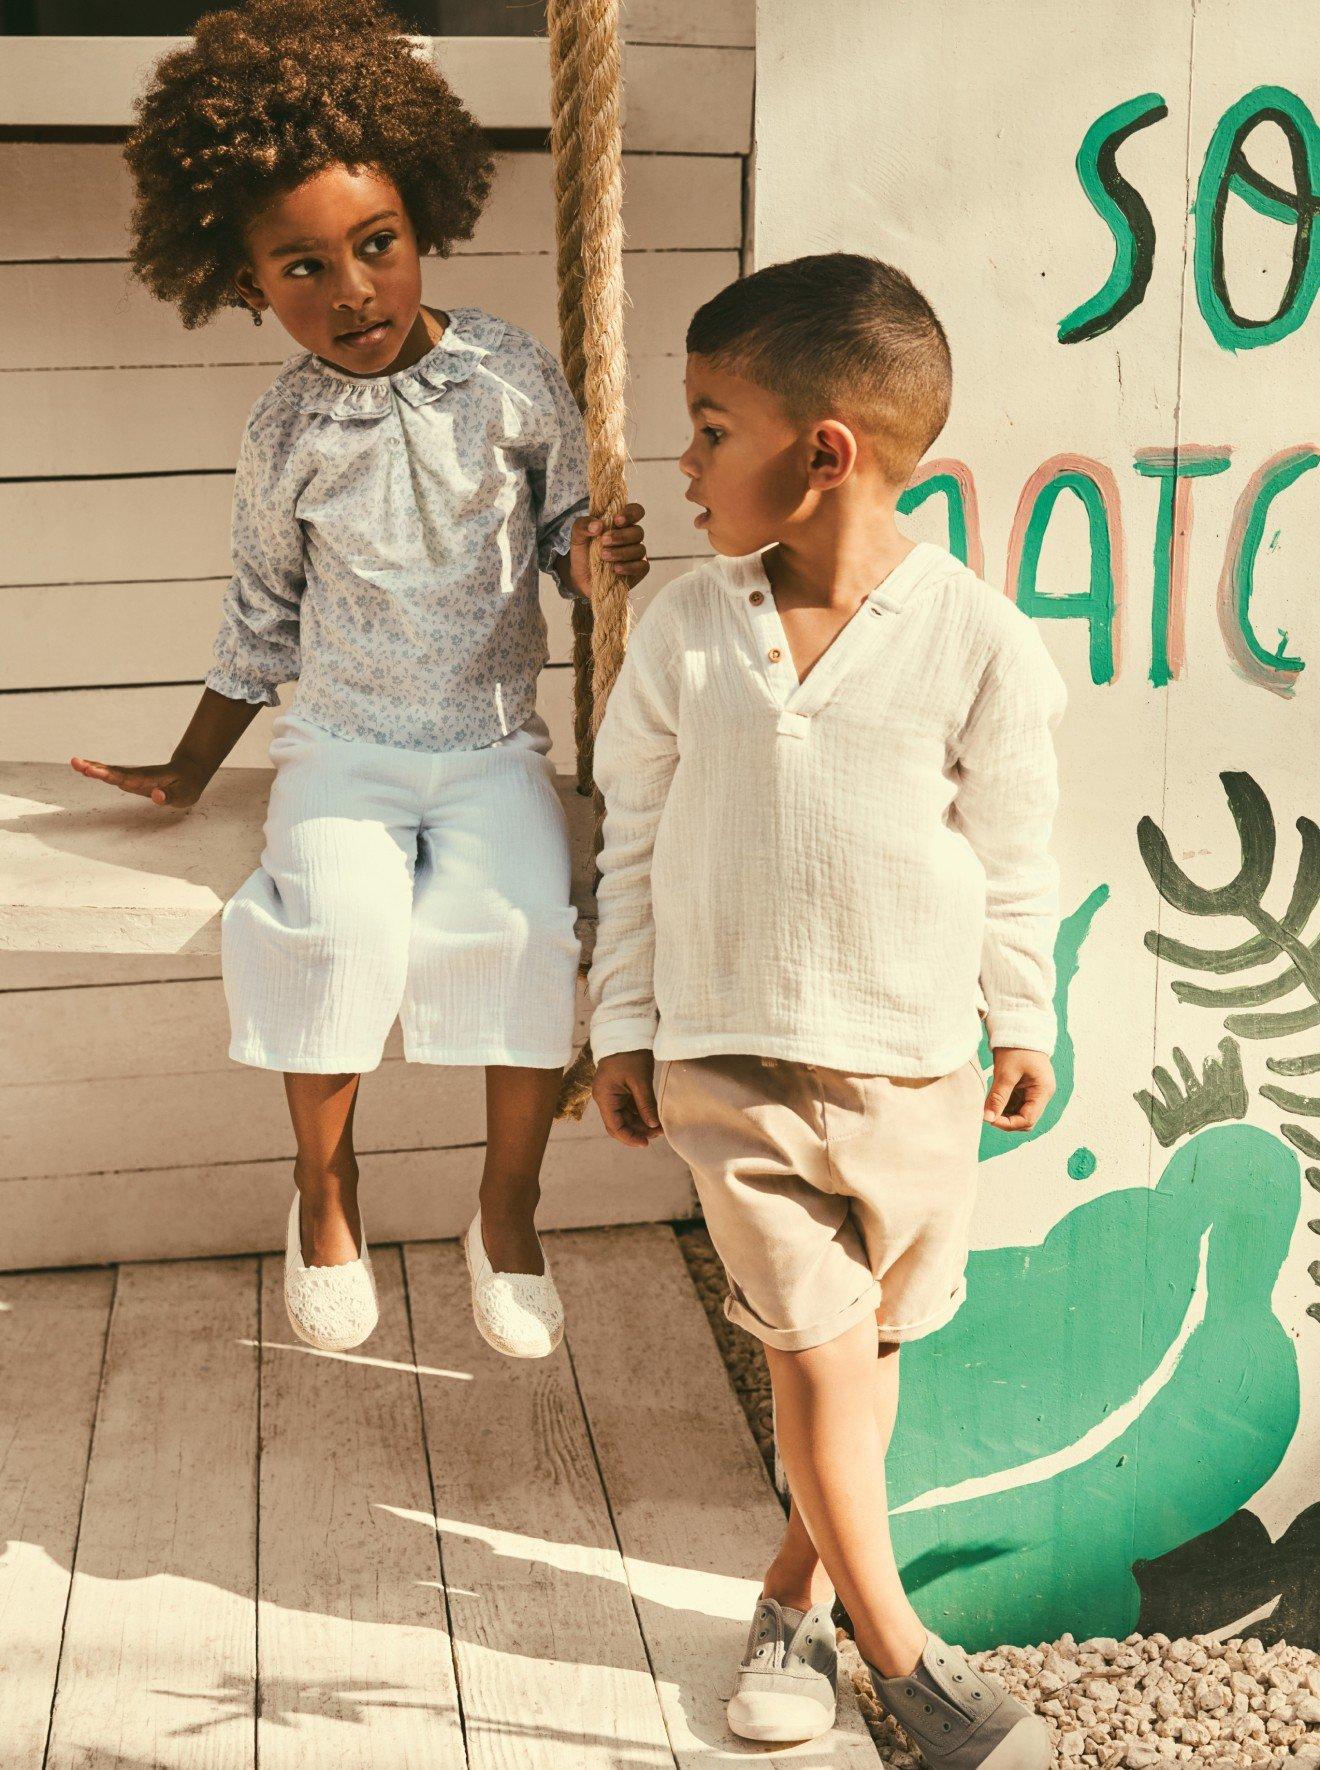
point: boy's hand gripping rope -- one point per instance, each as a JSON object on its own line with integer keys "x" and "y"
{"x": 586, "y": 144}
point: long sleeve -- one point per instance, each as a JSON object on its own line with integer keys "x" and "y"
{"x": 257, "y": 647}
{"x": 635, "y": 758}
{"x": 1005, "y": 803}
{"x": 558, "y": 470}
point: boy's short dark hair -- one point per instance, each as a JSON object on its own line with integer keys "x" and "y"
{"x": 837, "y": 333}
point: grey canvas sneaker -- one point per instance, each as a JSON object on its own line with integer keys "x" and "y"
{"x": 786, "y": 1684}
{"x": 959, "y": 1720}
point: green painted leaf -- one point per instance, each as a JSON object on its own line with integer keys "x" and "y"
{"x": 1073, "y": 930}
{"x": 1099, "y": 1399}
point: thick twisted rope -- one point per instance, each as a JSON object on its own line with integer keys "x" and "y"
{"x": 586, "y": 141}
{"x": 566, "y": 149}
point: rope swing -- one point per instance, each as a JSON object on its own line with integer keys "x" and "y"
{"x": 586, "y": 147}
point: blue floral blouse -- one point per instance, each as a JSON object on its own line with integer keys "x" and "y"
{"x": 387, "y": 535}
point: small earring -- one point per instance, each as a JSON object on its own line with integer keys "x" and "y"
{"x": 256, "y": 317}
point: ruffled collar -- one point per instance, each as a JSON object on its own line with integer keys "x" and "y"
{"x": 317, "y": 387}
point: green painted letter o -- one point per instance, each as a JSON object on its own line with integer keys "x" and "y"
{"x": 1225, "y": 170}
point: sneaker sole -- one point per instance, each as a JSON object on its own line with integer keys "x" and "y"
{"x": 768, "y": 1733}
{"x": 1026, "y": 1747}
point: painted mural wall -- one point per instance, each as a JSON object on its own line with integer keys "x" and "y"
{"x": 1112, "y": 210}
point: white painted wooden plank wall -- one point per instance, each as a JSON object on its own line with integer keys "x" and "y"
{"x": 677, "y": 92}
{"x": 124, "y": 1130}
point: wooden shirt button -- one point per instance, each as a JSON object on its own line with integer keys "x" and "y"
{"x": 756, "y": 598}
{"x": 774, "y": 654}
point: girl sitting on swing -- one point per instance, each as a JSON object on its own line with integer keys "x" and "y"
{"x": 399, "y": 486}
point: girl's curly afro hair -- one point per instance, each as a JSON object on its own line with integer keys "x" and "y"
{"x": 268, "y": 94}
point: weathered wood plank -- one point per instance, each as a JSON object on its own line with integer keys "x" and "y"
{"x": 98, "y": 315}
{"x": 159, "y": 1660}
{"x": 695, "y": 1514}
{"x": 724, "y": 23}
{"x": 115, "y": 1033}
{"x": 178, "y": 526}
{"x": 410, "y": 1195}
{"x": 73, "y": 200}
{"x": 45, "y": 973}
{"x": 95, "y": 80}
{"x": 52, "y": 1338}
{"x": 128, "y": 724}
{"x": 164, "y": 630}
{"x": 64, "y": 422}
{"x": 190, "y": 419}
{"x": 233, "y": 1113}
{"x": 356, "y": 1670}
{"x": 142, "y": 724}
{"x": 105, "y": 530}
{"x": 117, "y": 725}
{"x": 677, "y": 98}
{"x": 716, "y": 101}
{"x": 550, "y": 1659}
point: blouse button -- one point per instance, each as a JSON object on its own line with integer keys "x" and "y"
{"x": 756, "y": 598}
{"x": 774, "y": 654}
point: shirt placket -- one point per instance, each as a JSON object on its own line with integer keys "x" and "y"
{"x": 798, "y": 701}
{"x": 772, "y": 647}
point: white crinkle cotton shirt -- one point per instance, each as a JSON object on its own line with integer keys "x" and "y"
{"x": 387, "y": 536}
{"x": 839, "y": 870}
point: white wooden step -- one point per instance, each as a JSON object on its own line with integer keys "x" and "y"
{"x": 86, "y": 869}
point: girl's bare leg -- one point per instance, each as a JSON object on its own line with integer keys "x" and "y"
{"x": 796, "y": 1576}
{"x": 833, "y": 1451}
{"x": 520, "y": 1107}
{"x": 325, "y": 1170}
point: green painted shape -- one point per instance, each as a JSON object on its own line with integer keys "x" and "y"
{"x": 1168, "y": 471}
{"x": 1094, "y": 605}
{"x": 1109, "y": 303}
{"x": 1265, "y": 199}
{"x": 1243, "y": 570}
{"x": 1081, "y": 1163}
{"x": 1073, "y": 930}
{"x": 946, "y": 486}
{"x": 1218, "y": 178}
{"x": 1051, "y": 1340}
{"x": 1156, "y": 466}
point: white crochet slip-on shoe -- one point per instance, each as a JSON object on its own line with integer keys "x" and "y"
{"x": 518, "y": 1313}
{"x": 330, "y": 1307}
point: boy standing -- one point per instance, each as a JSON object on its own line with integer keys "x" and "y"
{"x": 829, "y": 779}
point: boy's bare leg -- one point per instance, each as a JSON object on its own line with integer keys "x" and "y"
{"x": 796, "y": 1576}
{"x": 833, "y": 1451}
{"x": 325, "y": 1170}
{"x": 520, "y": 1109}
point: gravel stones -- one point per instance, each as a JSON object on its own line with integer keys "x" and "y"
{"x": 1125, "y": 1706}
{"x": 1145, "y": 1703}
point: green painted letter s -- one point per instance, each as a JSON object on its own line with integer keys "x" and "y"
{"x": 1123, "y": 210}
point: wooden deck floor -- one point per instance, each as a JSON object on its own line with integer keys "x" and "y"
{"x": 227, "y": 1550}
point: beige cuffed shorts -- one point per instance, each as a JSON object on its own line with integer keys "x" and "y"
{"x": 829, "y": 1196}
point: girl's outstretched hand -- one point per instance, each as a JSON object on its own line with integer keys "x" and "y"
{"x": 173, "y": 785}
{"x": 623, "y": 546}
